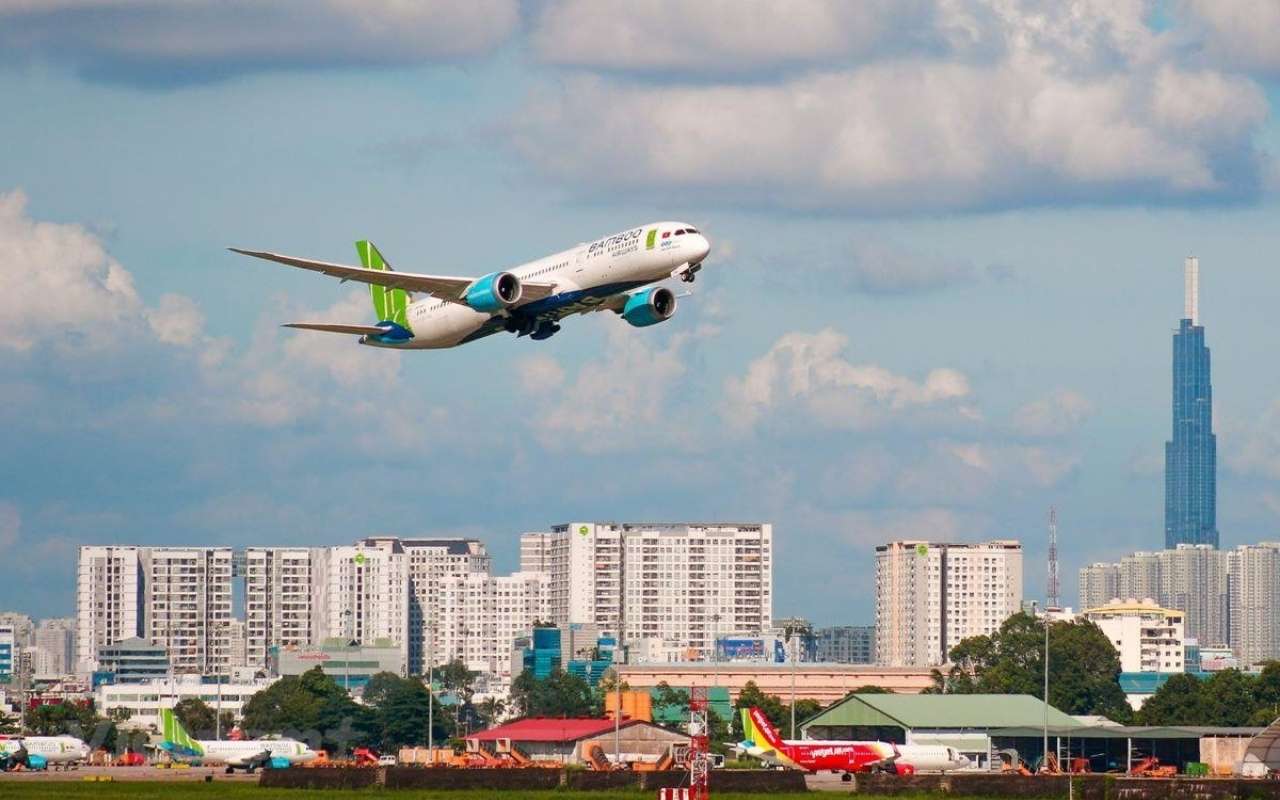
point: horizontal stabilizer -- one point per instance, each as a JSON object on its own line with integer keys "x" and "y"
{"x": 332, "y": 327}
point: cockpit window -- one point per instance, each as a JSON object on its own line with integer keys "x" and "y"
{"x": 680, "y": 232}
{"x": 690, "y": 230}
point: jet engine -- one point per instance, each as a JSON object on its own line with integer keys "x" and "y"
{"x": 494, "y": 292}
{"x": 649, "y": 307}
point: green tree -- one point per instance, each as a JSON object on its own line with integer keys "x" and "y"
{"x": 1229, "y": 698}
{"x": 1084, "y": 668}
{"x": 196, "y": 716}
{"x": 773, "y": 708}
{"x": 120, "y": 714}
{"x": 455, "y": 677}
{"x": 558, "y": 695}
{"x": 398, "y": 713}
{"x": 490, "y": 711}
{"x": 1180, "y": 701}
{"x": 306, "y": 703}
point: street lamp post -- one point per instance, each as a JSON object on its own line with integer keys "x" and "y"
{"x": 431, "y": 692}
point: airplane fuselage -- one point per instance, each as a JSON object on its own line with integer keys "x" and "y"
{"x": 585, "y": 277}
{"x": 245, "y": 752}
{"x": 53, "y": 749}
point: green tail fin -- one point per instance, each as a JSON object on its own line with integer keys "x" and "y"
{"x": 175, "y": 734}
{"x": 390, "y": 305}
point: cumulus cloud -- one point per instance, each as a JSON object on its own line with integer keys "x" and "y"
{"x": 1243, "y": 34}
{"x": 60, "y": 286}
{"x": 1054, "y": 415}
{"x": 725, "y": 36}
{"x": 621, "y": 400}
{"x": 157, "y": 43}
{"x": 1040, "y": 103}
{"x": 810, "y": 371}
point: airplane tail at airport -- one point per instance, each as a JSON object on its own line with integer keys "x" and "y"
{"x": 391, "y": 305}
{"x": 176, "y": 738}
{"x": 757, "y": 728}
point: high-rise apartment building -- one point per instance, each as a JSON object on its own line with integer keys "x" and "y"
{"x": 429, "y": 563}
{"x": 1099, "y": 584}
{"x": 1190, "y": 461}
{"x": 367, "y": 591}
{"x": 1191, "y": 578}
{"x": 56, "y": 640}
{"x": 481, "y": 616}
{"x": 930, "y": 596}
{"x": 187, "y": 606}
{"x": 108, "y": 600}
{"x": 684, "y": 583}
{"x": 1255, "y": 602}
{"x": 845, "y": 644}
{"x": 284, "y": 599}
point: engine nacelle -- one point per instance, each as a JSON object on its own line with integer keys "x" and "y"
{"x": 649, "y": 307}
{"x": 494, "y": 292}
{"x": 278, "y": 762}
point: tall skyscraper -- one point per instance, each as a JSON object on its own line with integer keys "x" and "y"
{"x": 108, "y": 600}
{"x": 930, "y": 596}
{"x": 1190, "y": 457}
{"x": 187, "y": 605}
{"x": 284, "y": 599}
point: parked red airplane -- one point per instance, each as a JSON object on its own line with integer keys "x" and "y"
{"x": 761, "y": 740}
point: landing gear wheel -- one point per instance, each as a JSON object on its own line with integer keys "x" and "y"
{"x": 846, "y": 777}
{"x": 688, "y": 277}
{"x": 231, "y": 770}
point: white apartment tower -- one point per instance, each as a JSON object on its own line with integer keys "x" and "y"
{"x": 108, "y": 600}
{"x": 1099, "y": 584}
{"x": 930, "y": 596}
{"x": 678, "y": 582}
{"x": 1147, "y": 638}
{"x": 481, "y": 616}
{"x": 56, "y": 640}
{"x": 367, "y": 591}
{"x": 429, "y": 563}
{"x": 187, "y": 606}
{"x": 1255, "y": 602}
{"x": 284, "y": 599}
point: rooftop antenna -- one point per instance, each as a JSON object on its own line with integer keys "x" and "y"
{"x": 1052, "y": 600}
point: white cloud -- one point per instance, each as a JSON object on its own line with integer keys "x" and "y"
{"x": 154, "y": 42}
{"x": 810, "y": 371}
{"x": 1045, "y": 103}
{"x": 621, "y": 400}
{"x": 1244, "y": 34}
{"x": 724, "y": 36}
{"x": 176, "y": 320}
{"x": 1253, "y": 447}
{"x": 1054, "y": 415}
{"x": 59, "y": 284}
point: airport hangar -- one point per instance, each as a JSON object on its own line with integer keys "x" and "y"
{"x": 983, "y": 725}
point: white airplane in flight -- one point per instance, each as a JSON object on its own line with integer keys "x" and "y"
{"x": 39, "y": 751}
{"x": 612, "y": 273}
{"x": 245, "y": 754}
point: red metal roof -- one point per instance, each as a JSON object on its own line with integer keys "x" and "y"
{"x": 550, "y": 729}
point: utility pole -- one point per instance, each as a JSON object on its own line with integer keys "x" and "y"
{"x": 431, "y": 692}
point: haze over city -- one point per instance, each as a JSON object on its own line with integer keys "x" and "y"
{"x": 948, "y": 261}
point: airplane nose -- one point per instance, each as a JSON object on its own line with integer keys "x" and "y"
{"x": 704, "y": 248}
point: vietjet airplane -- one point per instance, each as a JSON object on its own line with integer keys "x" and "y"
{"x": 762, "y": 741}
{"x": 246, "y": 754}
{"x": 612, "y": 273}
{"x": 37, "y": 752}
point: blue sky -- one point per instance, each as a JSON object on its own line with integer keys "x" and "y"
{"x": 948, "y": 248}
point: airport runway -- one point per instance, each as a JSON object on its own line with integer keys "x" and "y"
{"x": 130, "y": 774}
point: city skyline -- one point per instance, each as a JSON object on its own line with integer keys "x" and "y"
{"x": 920, "y": 320}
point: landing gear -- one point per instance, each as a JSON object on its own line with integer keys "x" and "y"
{"x": 231, "y": 770}
{"x": 846, "y": 777}
{"x": 545, "y": 330}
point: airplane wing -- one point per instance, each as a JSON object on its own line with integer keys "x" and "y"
{"x": 370, "y": 330}
{"x": 446, "y": 287}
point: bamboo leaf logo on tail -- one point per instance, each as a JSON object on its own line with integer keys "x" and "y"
{"x": 390, "y": 305}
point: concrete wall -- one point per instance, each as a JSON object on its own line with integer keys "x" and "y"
{"x": 1086, "y": 787}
